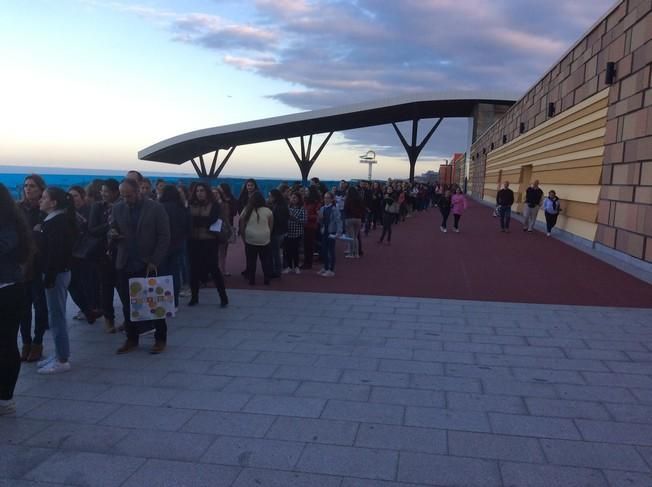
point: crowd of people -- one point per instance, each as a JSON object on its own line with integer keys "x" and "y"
{"x": 89, "y": 242}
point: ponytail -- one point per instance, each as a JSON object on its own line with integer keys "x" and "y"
{"x": 66, "y": 204}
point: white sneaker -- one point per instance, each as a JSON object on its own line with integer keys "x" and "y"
{"x": 442, "y": 229}
{"x": 548, "y": 234}
{"x": 297, "y": 270}
{"x": 457, "y": 230}
{"x": 285, "y": 271}
{"x": 7, "y": 407}
{"x": 79, "y": 316}
{"x": 321, "y": 271}
{"x": 42, "y": 363}
{"x": 54, "y": 367}
{"x": 328, "y": 274}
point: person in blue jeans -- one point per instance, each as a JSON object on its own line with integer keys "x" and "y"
{"x": 505, "y": 200}
{"x": 59, "y": 234}
{"x": 330, "y": 221}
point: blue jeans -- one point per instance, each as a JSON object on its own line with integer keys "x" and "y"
{"x": 505, "y": 213}
{"x": 56, "y": 298}
{"x": 277, "y": 259}
{"x": 328, "y": 252}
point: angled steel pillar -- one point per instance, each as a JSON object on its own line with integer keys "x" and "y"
{"x": 215, "y": 170}
{"x": 305, "y": 161}
{"x": 413, "y": 150}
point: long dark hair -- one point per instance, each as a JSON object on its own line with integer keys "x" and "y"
{"x": 193, "y": 193}
{"x": 170, "y": 194}
{"x": 12, "y": 216}
{"x": 353, "y": 200}
{"x": 277, "y": 198}
{"x": 313, "y": 195}
{"x": 65, "y": 203}
{"x": 226, "y": 191}
{"x": 256, "y": 200}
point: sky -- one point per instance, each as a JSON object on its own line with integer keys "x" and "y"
{"x": 89, "y": 83}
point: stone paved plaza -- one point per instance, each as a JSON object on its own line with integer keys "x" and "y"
{"x": 303, "y": 389}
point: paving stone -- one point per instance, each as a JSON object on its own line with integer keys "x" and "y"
{"x": 143, "y": 396}
{"x": 16, "y": 461}
{"x": 277, "y": 478}
{"x": 479, "y": 371}
{"x": 411, "y": 367}
{"x": 66, "y": 390}
{"x": 425, "y": 345}
{"x": 363, "y": 411}
{"x": 203, "y": 382}
{"x": 243, "y": 370}
{"x": 613, "y": 432}
{"x": 485, "y": 402}
{"x": 268, "y": 346}
{"x": 350, "y": 482}
{"x": 348, "y": 461}
{"x": 80, "y": 437}
{"x": 537, "y": 426}
{"x": 532, "y": 475}
{"x": 164, "y": 445}
{"x": 313, "y": 431}
{"x": 354, "y": 363}
{"x": 595, "y": 455}
{"x": 402, "y": 438}
{"x": 445, "y": 470}
{"x": 617, "y": 380}
{"x": 630, "y": 413}
{"x": 596, "y": 393}
{"x": 566, "y": 409}
{"x": 497, "y": 447}
{"x": 446, "y": 357}
{"x": 643, "y": 395}
{"x": 383, "y": 352}
{"x": 557, "y": 342}
{"x": 285, "y": 358}
{"x": 517, "y": 388}
{"x": 443, "y": 383}
{"x": 226, "y": 356}
{"x": 146, "y": 417}
{"x": 617, "y": 478}
{"x": 368, "y": 377}
{"x": 253, "y": 385}
{"x": 407, "y": 397}
{"x": 318, "y": 374}
{"x": 254, "y": 452}
{"x": 16, "y": 430}
{"x": 498, "y": 339}
{"x": 333, "y": 391}
{"x": 86, "y": 469}
{"x": 543, "y": 376}
{"x": 595, "y": 354}
{"x": 73, "y": 411}
{"x": 541, "y": 362}
{"x": 24, "y": 483}
{"x": 286, "y": 406}
{"x": 210, "y": 400}
{"x": 624, "y": 345}
{"x": 166, "y": 473}
{"x": 446, "y": 419}
{"x": 230, "y": 424}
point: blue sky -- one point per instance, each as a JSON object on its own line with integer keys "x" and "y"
{"x": 88, "y": 83}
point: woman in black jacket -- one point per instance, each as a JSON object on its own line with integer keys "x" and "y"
{"x": 59, "y": 232}
{"x": 281, "y": 214}
{"x": 202, "y": 245}
{"x": 16, "y": 249}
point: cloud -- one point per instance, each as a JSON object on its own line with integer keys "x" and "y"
{"x": 334, "y": 52}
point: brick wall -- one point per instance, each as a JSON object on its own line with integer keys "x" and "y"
{"x": 624, "y": 36}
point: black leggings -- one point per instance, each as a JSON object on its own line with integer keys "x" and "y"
{"x": 444, "y": 216}
{"x": 291, "y": 251}
{"x": 551, "y": 221}
{"x": 203, "y": 261}
{"x": 12, "y": 299}
{"x": 262, "y": 252}
{"x": 456, "y": 220}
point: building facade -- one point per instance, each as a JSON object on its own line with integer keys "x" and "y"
{"x": 585, "y": 130}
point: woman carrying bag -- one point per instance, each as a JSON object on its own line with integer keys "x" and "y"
{"x": 202, "y": 245}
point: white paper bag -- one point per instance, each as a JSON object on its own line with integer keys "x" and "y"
{"x": 151, "y": 298}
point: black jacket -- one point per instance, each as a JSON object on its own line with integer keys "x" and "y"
{"x": 505, "y": 197}
{"x": 533, "y": 196}
{"x": 179, "y": 224}
{"x": 58, "y": 240}
{"x": 281, "y": 217}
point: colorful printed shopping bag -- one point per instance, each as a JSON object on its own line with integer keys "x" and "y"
{"x": 151, "y": 298}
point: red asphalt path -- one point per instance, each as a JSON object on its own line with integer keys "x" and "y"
{"x": 479, "y": 263}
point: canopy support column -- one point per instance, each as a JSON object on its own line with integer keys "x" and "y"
{"x": 413, "y": 150}
{"x": 214, "y": 171}
{"x": 306, "y": 161}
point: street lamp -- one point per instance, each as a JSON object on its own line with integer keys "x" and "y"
{"x": 370, "y": 159}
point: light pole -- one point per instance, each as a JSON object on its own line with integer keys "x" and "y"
{"x": 370, "y": 159}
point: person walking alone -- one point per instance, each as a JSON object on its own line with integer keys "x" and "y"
{"x": 458, "y": 201}
{"x": 504, "y": 202}
{"x": 533, "y": 196}
{"x": 551, "y": 210}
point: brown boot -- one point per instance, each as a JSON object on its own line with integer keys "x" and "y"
{"x": 35, "y": 353}
{"x": 109, "y": 325}
{"x": 157, "y": 348}
{"x": 128, "y": 346}
{"x": 25, "y": 352}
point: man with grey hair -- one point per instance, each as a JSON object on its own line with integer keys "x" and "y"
{"x": 533, "y": 197}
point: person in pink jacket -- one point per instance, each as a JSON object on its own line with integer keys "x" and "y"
{"x": 458, "y": 202}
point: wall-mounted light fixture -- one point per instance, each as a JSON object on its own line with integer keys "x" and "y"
{"x": 521, "y": 127}
{"x": 504, "y": 139}
{"x": 610, "y": 73}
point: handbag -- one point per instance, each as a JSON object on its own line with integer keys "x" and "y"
{"x": 222, "y": 229}
{"x": 151, "y": 298}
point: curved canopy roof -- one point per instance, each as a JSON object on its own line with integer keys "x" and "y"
{"x": 184, "y": 147}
